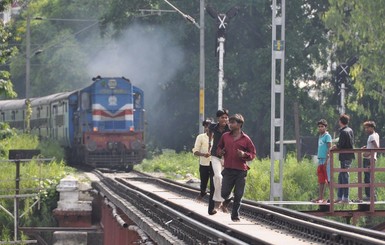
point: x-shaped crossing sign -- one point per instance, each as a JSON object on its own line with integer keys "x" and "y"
{"x": 222, "y": 23}
{"x": 344, "y": 70}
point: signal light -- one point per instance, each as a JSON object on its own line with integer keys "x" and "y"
{"x": 95, "y": 129}
{"x": 131, "y": 129}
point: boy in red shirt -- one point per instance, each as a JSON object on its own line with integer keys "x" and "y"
{"x": 237, "y": 149}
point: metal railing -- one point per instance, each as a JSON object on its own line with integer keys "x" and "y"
{"x": 372, "y": 169}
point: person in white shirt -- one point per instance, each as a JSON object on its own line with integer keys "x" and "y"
{"x": 202, "y": 150}
{"x": 372, "y": 143}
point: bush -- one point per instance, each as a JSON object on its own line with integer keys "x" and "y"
{"x": 171, "y": 164}
{"x": 35, "y": 177}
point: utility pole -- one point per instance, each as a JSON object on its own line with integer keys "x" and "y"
{"x": 277, "y": 95}
{"x": 28, "y": 57}
{"x": 201, "y": 27}
{"x": 201, "y": 65}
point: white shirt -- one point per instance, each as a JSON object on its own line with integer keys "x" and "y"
{"x": 370, "y": 145}
{"x": 202, "y": 145}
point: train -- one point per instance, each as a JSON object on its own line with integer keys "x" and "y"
{"x": 100, "y": 126}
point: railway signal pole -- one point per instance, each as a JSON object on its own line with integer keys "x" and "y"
{"x": 343, "y": 71}
{"x": 222, "y": 21}
{"x": 277, "y": 96}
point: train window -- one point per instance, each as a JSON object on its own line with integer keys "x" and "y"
{"x": 38, "y": 112}
{"x": 13, "y": 116}
{"x": 85, "y": 97}
{"x": 137, "y": 100}
{"x": 54, "y": 110}
{"x": 3, "y": 116}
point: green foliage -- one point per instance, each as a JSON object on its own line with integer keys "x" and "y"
{"x": 51, "y": 148}
{"x": 295, "y": 185}
{"x": 35, "y": 177}
{"x": 172, "y": 165}
{"x": 6, "y": 53}
{"x": 62, "y": 45}
{"x": 20, "y": 141}
{"x": 356, "y": 30}
{"x": 48, "y": 148}
{"x": 6, "y": 131}
{"x": 4, "y": 4}
{"x": 300, "y": 182}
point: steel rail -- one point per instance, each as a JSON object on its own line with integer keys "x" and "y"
{"x": 248, "y": 239}
{"x": 185, "y": 228}
{"x": 318, "y": 220}
{"x": 304, "y": 225}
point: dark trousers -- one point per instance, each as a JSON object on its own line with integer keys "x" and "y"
{"x": 343, "y": 178}
{"x": 212, "y": 189}
{"x": 367, "y": 177}
{"x": 204, "y": 172}
{"x": 233, "y": 179}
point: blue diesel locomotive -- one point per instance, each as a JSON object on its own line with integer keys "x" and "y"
{"x": 101, "y": 125}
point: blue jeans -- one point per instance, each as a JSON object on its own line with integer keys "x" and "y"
{"x": 343, "y": 178}
{"x": 233, "y": 178}
{"x": 367, "y": 177}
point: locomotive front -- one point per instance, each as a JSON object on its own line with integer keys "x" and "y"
{"x": 111, "y": 123}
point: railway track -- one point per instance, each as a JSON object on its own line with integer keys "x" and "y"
{"x": 173, "y": 223}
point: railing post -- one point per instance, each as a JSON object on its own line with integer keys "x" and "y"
{"x": 359, "y": 164}
{"x": 371, "y": 185}
{"x": 331, "y": 184}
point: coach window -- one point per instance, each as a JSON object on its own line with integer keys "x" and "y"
{"x": 38, "y": 112}
{"x": 3, "y": 116}
{"x": 54, "y": 110}
{"x": 85, "y": 97}
{"x": 13, "y": 116}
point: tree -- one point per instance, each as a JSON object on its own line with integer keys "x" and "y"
{"x": 64, "y": 43}
{"x": 356, "y": 30}
{"x": 6, "y": 52}
{"x": 163, "y": 59}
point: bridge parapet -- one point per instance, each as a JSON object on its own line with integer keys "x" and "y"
{"x": 71, "y": 211}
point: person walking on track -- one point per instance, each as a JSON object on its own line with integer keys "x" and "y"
{"x": 202, "y": 150}
{"x": 217, "y": 130}
{"x": 237, "y": 149}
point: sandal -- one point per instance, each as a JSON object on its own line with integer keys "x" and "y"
{"x": 315, "y": 200}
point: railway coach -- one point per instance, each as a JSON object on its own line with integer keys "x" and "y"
{"x": 101, "y": 125}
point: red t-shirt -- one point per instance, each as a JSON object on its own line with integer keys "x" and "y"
{"x": 231, "y": 158}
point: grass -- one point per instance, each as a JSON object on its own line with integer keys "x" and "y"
{"x": 35, "y": 177}
{"x": 185, "y": 164}
{"x": 299, "y": 179}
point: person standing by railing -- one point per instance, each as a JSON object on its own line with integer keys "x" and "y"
{"x": 324, "y": 144}
{"x": 345, "y": 142}
{"x": 372, "y": 143}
